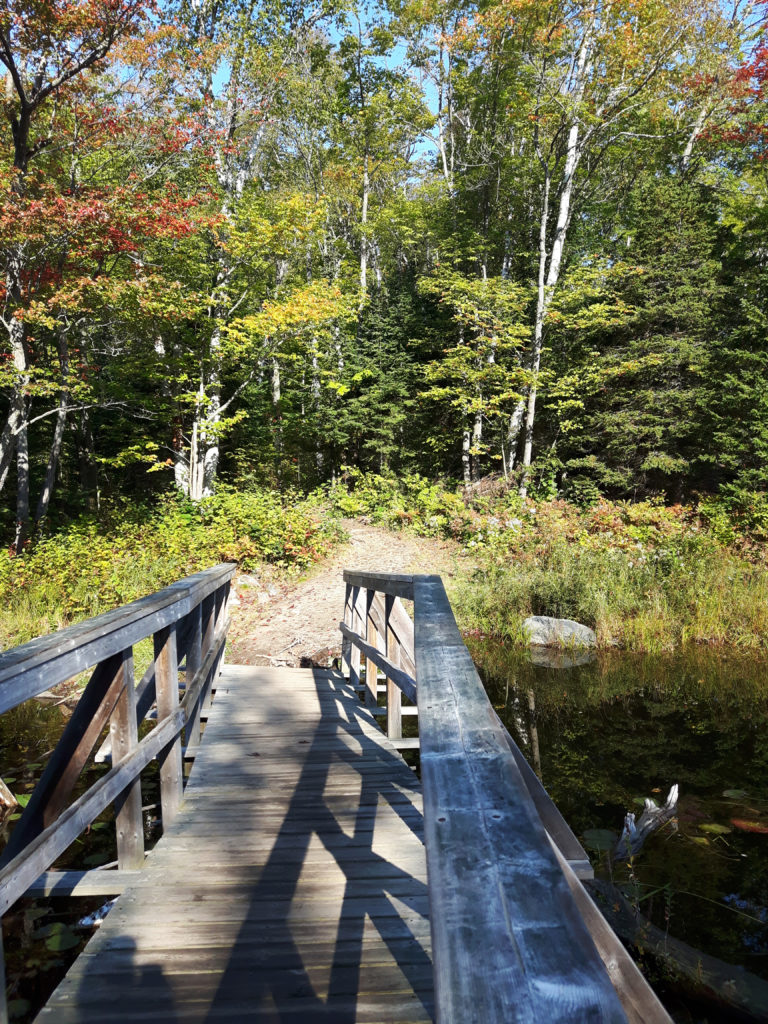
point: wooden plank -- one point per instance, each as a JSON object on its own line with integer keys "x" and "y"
{"x": 21, "y": 872}
{"x": 371, "y": 668}
{"x": 393, "y": 652}
{"x": 557, "y": 827}
{"x": 70, "y": 755}
{"x": 640, "y": 1002}
{"x": 81, "y": 883}
{"x": 386, "y": 583}
{"x": 129, "y": 822}
{"x": 402, "y": 679}
{"x": 292, "y": 884}
{"x": 199, "y": 684}
{"x": 145, "y": 688}
{"x": 509, "y": 942}
{"x": 167, "y": 683}
{"x": 193, "y": 665}
{"x": 398, "y": 620}
{"x": 47, "y": 661}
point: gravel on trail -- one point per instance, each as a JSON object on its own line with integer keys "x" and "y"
{"x": 297, "y": 623}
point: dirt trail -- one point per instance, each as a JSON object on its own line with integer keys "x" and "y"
{"x": 280, "y": 625}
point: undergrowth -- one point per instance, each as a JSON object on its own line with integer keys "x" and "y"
{"x": 94, "y": 564}
{"x": 643, "y": 575}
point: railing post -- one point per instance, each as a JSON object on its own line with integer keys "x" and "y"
{"x": 209, "y": 611}
{"x": 394, "y": 695}
{"x": 193, "y": 663}
{"x": 356, "y": 622}
{"x": 371, "y": 671}
{"x": 167, "y": 688}
{"x": 346, "y": 645}
{"x": 125, "y": 738}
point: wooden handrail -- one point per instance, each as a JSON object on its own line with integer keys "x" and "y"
{"x": 511, "y": 937}
{"x": 27, "y": 670}
{"x": 184, "y": 619}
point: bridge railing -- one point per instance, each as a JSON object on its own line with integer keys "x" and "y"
{"x": 187, "y": 623}
{"x": 514, "y": 934}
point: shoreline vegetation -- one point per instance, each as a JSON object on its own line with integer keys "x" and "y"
{"x": 647, "y": 577}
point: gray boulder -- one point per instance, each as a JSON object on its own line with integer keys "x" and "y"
{"x": 544, "y": 631}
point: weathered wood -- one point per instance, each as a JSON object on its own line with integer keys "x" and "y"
{"x": 69, "y": 756}
{"x": 303, "y": 899}
{"x": 356, "y": 625}
{"x": 371, "y": 668}
{"x": 193, "y": 663}
{"x": 37, "y": 857}
{"x": 145, "y": 688}
{"x": 395, "y": 618}
{"x": 640, "y": 1002}
{"x": 402, "y": 679}
{"x": 129, "y": 823}
{"x": 171, "y": 768}
{"x": 199, "y": 684}
{"x": 394, "y": 694}
{"x": 81, "y": 883}
{"x": 346, "y": 646}
{"x": 509, "y": 941}
{"x": 558, "y": 829}
{"x": 209, "y": 633}
{"x": 47, "y": 661}
{"x": 385, "y": 583}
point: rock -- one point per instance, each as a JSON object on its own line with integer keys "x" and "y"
{"x": 543, "y": 631}
{"x": 248, "y": 581}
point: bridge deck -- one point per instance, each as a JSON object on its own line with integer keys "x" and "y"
{"x": 291, "y": 888}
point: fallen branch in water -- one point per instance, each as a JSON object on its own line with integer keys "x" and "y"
{"x": 702, "y": 976}
{"x": 652, "y": 818}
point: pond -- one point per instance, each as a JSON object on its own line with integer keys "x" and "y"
{"x": 43, "y": 937}
{"x": 607, "y": 733}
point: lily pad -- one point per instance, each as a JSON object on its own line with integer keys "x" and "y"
{"x": 715, "y": 829}
{"x": 735, "y": 794}
{"x": 750, "y": 826}
{"x": 61, "y": 937}
{"x": 599, "y": 839}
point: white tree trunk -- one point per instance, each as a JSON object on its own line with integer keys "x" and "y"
{"x": 548, "y": 283}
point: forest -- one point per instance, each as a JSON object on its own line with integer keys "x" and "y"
{"x": 257, "y": 247}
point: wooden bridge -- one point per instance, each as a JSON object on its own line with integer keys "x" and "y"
{"x": 305, "y": 872}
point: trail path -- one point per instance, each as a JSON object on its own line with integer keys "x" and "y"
{"x": 280, "y": 625}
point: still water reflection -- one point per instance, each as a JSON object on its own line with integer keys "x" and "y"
{"x": 607, "y": 733}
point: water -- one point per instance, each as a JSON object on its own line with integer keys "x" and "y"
{"x": 605, "y": 734}
{"x": 43, "y": 937}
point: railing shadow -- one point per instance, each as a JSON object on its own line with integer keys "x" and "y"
{"x": 325, "y": 985}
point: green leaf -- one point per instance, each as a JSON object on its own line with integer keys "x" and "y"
{"x": 715, "y": 829}
{"x": 62, "y": 937}
{"x": 735, "y": 794}
{"x": 23, "y": 799}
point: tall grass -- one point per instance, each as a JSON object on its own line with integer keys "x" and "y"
{"x": 91, "y": 566}
{"x": 713, "y": 596}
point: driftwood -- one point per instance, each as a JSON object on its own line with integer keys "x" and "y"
{"x": 701, "y": 976}
{"x": 652, "y": 818}
{"x": 7, "y": 800}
